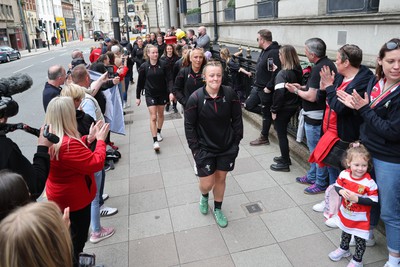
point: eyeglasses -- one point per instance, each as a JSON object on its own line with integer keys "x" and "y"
{"x": 392, "y": 45}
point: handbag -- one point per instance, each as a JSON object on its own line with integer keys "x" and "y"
{"x": 336, "y": 155}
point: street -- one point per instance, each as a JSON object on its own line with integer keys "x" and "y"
{"x": 30, "y": 102}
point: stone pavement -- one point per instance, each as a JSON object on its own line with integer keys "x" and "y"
{"x": 159, "y": 224}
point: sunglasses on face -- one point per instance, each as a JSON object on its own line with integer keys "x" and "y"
{"x": 392, "y": 45}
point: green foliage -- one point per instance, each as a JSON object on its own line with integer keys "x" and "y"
{"x": 231, "y": 3}
{"x": 194, "y": 11}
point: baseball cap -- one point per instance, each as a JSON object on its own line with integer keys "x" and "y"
{"x": 107, "y": 40}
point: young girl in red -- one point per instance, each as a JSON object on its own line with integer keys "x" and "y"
{"x": 359, "y": 192}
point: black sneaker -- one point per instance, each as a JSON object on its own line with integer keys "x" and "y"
{"x": 167, "y": 107}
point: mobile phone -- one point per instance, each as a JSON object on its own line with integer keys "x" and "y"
{"x": 87, "y": 260}
{"x": 270, "y": 63}
{"x": 110, "y": 70}
{"x": 125, "y": 52}
{"x": 123, "y": 61}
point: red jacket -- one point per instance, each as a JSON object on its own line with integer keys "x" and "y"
{"x": 71, "y": 181}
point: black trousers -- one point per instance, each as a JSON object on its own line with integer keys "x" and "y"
{"x": 260, "y": 103}
{"x": 281, "y": 123}
{"x": 80, "y": 222}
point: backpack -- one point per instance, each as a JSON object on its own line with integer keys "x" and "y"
{"x": 306, "y": 75}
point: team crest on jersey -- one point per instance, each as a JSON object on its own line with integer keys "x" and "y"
{"x": 361, "y": 189}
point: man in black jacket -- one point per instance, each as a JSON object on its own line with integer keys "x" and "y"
{"x": 56, "y": 77}
{"x": 260, "y": 98}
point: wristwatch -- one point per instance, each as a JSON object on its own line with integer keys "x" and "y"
{"x": 296, "y": 91}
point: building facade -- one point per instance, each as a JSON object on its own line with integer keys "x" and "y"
{"x": 366, "y": 23}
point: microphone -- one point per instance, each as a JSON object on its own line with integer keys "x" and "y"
{"x": 15, "y": 84}
{"x": 8, "y": 127}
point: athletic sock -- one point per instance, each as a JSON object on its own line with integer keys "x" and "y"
{"x": 158, "y": 130}
{"x": 155, "y": 139}
{"x": 217, "y": 205}
{"x": 394, "y": 261}
{"x": 205, "y": 195}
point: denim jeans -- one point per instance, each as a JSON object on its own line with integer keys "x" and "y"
{"x": 127, "y": 80}
{"x": 333, "y": 174}
{"x": 260, "y": 103}
{"x": 388, "y": 180}
{"x": 317, "y": 174}
{"x": 95, "y": 207}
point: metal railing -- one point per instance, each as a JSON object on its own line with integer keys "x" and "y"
{"x": 248, "y": 61}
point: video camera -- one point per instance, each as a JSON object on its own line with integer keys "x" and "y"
{"x": 9, "y": 108}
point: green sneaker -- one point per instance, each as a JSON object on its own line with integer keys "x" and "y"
{"x": 203, "y": 205}
{"x": 220, "y": 218}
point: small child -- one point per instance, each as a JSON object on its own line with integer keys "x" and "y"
{"x": 359, "y": 192}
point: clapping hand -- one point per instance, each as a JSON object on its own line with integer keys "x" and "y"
{"x": 353, "y": 101}
{"x": 327, "y": 77}
{"x": 291, "y": 87}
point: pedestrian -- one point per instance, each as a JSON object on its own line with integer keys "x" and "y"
{"x": 72, "y": 166}
{"x": 169, "y": 57}
{"x": 160, "y": 45}
{"x": 311, "y": 114}
{"x": 56, "y": 76}
{"x": 203, "y": 41}
{"x": 190, "y": 78}
{"x": 359, "y": 192}
{"x": 260, "y": 99}
{"x": 137, "y": 53}
{"x": 284, "y": 103}
{"x": 153, "y": 80}
{"x": 35, "y": 235}
{"x": 379, "y": 108}
{"x": 231, "y": 72}
{"x": 213, "y": 128}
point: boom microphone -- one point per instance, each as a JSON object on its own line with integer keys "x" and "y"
{"x": 15, "y": 84}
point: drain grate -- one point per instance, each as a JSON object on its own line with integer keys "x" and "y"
{"x": 128, "y": 122}
{"x": 128, "y": 112}
{"x": 253, "y": 208}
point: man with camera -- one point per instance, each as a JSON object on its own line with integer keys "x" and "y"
{"x": 35, "y": 175}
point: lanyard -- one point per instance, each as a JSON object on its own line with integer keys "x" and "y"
{"x": 382, "y": 95}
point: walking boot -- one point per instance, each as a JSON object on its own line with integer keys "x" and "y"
{"x": 280, "y": 159}
{"x": 280, "y": 167}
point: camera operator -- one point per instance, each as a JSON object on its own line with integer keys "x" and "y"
{"x": 11, "y": 157}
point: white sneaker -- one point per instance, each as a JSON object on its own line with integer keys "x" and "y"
{"x": 369, "y": 242}
{"x": 156, "y": 146}
{"x": 195, "y": 169}
{"x": 107, "y": 211}
{"x": 319, "y": 207}
{"x": 332, "y": 222}
{"x": 338, "y": 254}
{"x": 159, "y": 137}
{"x": 105, "y": 197}
{"x": 387, "y": 264}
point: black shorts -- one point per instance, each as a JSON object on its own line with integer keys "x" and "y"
{"x": 156, "y": 100}
{"x": 207, "y": 162}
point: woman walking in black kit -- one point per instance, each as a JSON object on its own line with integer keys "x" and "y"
{"x": 284, "y": 103}
{"x": 213, "y": 128}
{"x": 170, "y": 57}
{"x": 153, "y": 79}
{"x": 190, "y": 78}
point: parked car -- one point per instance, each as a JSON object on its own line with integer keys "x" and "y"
{"x": 8, "y": 53}
{"x": 98, "y": 35}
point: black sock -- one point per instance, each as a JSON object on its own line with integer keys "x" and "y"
{"x": 205, "y": 195}
{"x": 158, "y": 130}
{"x": 155, "y": 139}
{"x": 174, "y": 103}
{"x": 217, "y": 205}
